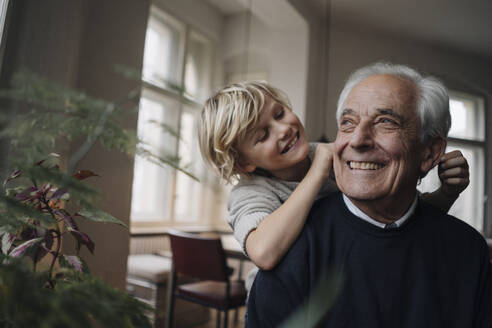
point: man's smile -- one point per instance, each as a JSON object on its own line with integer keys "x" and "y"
{"x": 365, "y": 165}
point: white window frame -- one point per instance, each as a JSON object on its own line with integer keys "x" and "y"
{"x": 482, "y": 144}
{"x": 185, "y": 104}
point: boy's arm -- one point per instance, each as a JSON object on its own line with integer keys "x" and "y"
{"x": 269, "y": 242}
{"x": 454, "y": 175}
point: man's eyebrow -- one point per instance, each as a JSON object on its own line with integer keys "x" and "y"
{"x": 347, "y": 111}
{"x": 390, "y": 112}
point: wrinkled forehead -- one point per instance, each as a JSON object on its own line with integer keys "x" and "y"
{"x": 382, "y": 92}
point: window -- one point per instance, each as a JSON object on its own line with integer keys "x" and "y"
{"x": 176, "y": 75}
{"x": 468, "y": 135}
{"x": 3, "y": 15}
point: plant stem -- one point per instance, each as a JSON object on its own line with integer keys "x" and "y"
{"x": 90, "y": 141}
{"x": 57, "y": 236}
{"x": 56, "y": 254}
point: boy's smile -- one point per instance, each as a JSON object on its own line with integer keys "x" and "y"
{"x": 277, "y": 144}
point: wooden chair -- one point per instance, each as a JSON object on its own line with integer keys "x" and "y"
{"x": 203, "y": 258}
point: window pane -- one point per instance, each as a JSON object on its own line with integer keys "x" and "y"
{"x": 468, "y": 120}
{"x": 151, "y": 182}
{"x": 3, "y": 13}
{"x": 197, "y": 69}
{"x": 164, "y": 41}
{"x": 188, "y": 191}
{"x": 469, "y": 206}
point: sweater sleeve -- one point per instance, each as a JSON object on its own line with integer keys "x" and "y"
{"x": 248, "y": 205}
{"x": 269, "y": 302}
{"x": 484, "y": 301}
{"x": 277, "y": 295}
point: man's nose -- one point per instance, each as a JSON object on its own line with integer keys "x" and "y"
{"x": 363, "y": 136}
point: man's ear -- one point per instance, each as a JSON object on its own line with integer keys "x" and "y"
{"x": 433, "y": 151}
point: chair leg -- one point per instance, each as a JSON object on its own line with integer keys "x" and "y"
{"x": 218, "y": 318}
{"x": 171, "y": 298}
{"x": 170, "y": 313}
{"x": 226, "y": 317}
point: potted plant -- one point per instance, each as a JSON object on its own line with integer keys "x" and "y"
{"x": 44, "y": 198}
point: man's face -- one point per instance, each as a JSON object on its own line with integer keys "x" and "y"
{"x": 377, "y": 146}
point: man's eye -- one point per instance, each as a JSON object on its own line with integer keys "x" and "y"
{"x": 386, "y": 120}
{"x": 345, "y": 122}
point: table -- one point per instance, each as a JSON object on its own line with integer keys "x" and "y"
{"x": 231, "y": 247}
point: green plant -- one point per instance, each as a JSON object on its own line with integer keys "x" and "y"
{"x": 44, "y": 198}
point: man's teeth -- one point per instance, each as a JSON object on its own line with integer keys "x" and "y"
{"x": 365, "y": 165}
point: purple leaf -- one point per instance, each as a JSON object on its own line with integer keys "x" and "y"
{"x": 74, "y": 261}
{"x": 83, "y": 239}
{"x": 29, "y": 233}
{"x": 22, "y": 248}
{"x": 59, "y": 193}
{"x": 67, "y": 218}
{"x": 45, "y": 247}
{"x": 13, "y": 175}
{"x": 27, "y": 194}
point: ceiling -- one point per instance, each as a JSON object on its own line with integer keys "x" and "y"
{"x": 274, "y": 13}
{"x": 463, "y": 25}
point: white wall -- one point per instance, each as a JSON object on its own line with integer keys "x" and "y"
{"x": 278, "y": 53}
{"x": 114, "y": 33}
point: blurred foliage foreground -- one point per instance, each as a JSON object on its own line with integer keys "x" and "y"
{"x": 43, "y": 199}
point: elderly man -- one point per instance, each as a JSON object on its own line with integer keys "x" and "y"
{"x": 377, "y": 256}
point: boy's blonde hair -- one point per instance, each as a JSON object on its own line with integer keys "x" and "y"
{"x": 227, "y": 117}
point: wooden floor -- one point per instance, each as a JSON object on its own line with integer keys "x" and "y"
{"x": 213, "y": 323}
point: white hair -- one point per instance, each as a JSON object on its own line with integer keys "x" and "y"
{"x": 432, "y": 99}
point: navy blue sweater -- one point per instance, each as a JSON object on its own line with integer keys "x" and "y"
{"x": 433, "y": 271}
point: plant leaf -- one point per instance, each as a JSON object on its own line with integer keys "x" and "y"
{"x": 67, "y": 218}
{"x": 59, "y": 193}
{"x": 7, "y": 240}
{"x": 84, "y": 174}
{"x": 73, "y": 261}
{"x": 12, "y": 176}
{"x": 45, "y": 247}
{"x": 27, "y": 194}
{"x": 83, "y": 238}
{"x": 97, "y": 215}
{"x": 15, "y": 213}
{"x": 22, "y": 248}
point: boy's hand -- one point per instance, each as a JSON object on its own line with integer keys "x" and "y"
{"x": 323, "y": 159}
{"x": 453, "y": 173}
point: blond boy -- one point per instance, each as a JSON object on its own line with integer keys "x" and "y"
{"x": 250, "y": 135}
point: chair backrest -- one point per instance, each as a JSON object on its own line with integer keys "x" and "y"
{"x": 198, "y": 256}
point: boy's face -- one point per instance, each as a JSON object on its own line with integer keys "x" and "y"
{"x": 277, "y": 143}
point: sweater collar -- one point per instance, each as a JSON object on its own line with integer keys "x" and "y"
{"x": 396, "y": 224}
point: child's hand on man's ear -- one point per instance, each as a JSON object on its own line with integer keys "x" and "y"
{"x": 453, "y": 173}
{"x": 323, "y": 159}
